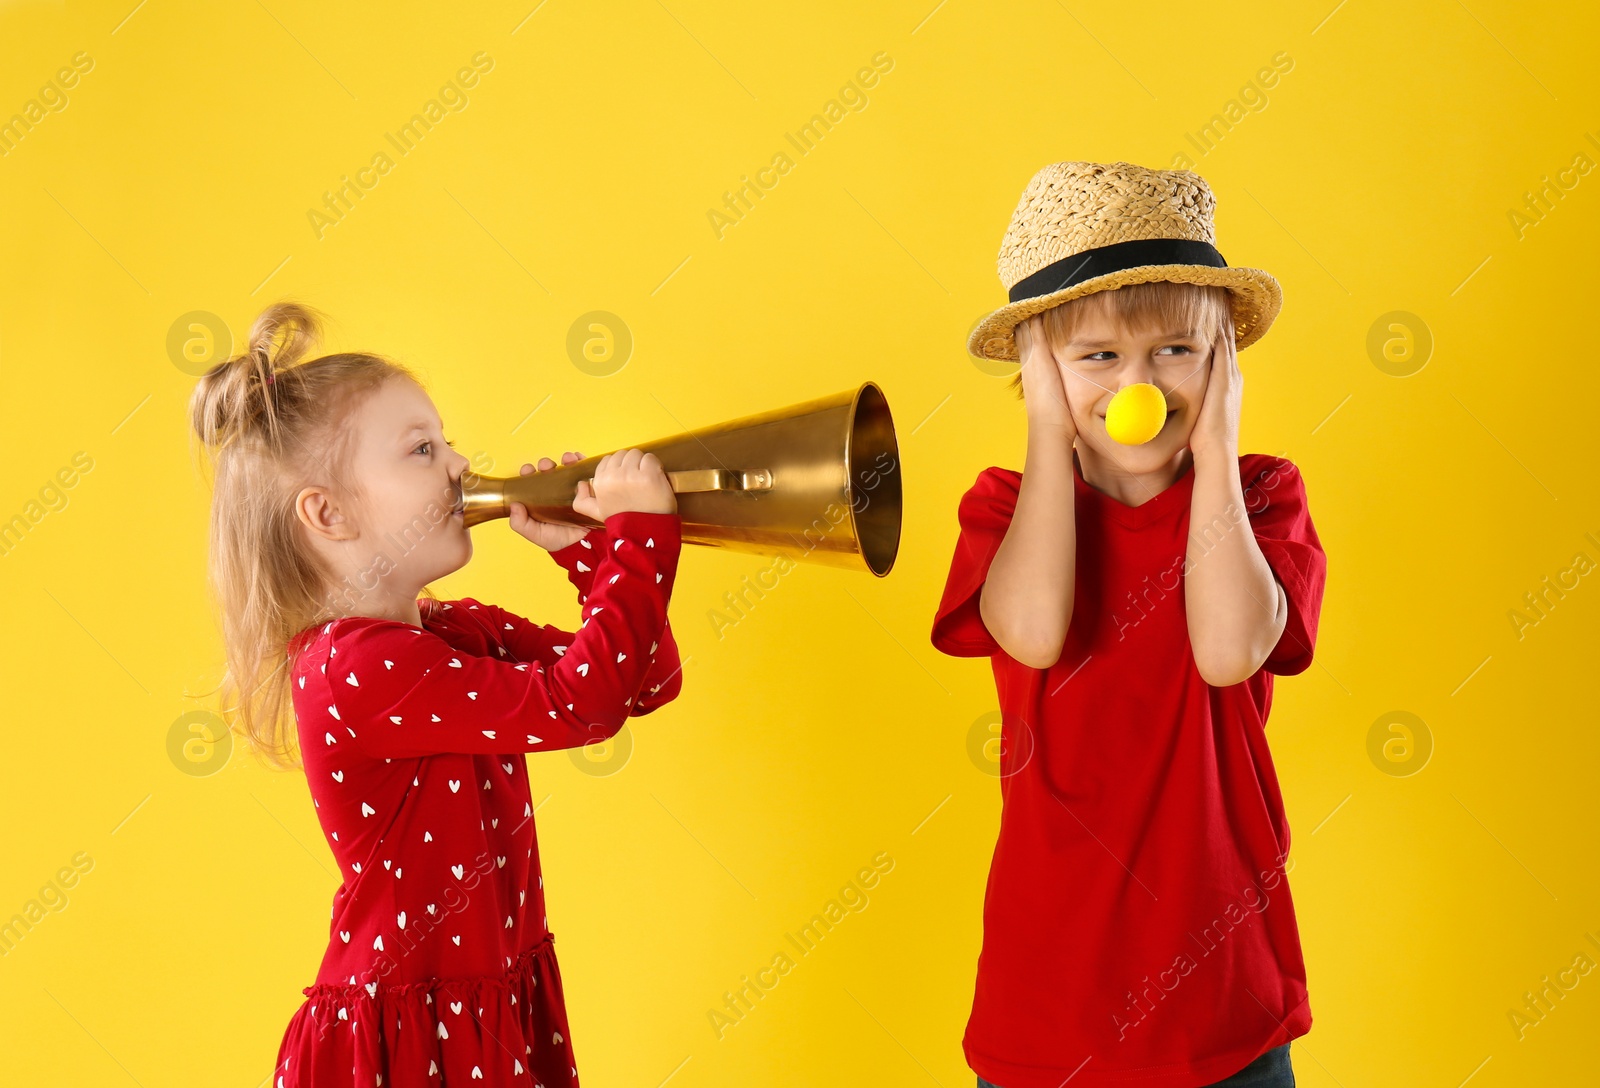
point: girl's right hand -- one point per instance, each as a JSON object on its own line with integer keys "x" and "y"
{"x": 626, "y": 480}
{"x": 1043, "y": 392}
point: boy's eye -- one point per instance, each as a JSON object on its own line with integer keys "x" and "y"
{"x": 1095, "y": 357}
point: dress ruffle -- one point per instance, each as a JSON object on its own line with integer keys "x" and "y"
{"x": 475, "y": 1032}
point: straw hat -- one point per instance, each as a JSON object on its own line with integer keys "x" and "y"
{"x": 1083, "y": 227}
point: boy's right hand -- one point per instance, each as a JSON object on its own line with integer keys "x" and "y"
{"x": 1043, "y": 392}
{"x": 626, "y": 480}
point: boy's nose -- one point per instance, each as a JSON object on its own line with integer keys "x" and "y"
{"x": 1137, "y": 372}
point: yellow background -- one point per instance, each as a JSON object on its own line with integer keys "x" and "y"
{"x": 1378, "y": 174}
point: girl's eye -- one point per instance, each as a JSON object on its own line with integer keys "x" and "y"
{"x": 1179, "y": 347}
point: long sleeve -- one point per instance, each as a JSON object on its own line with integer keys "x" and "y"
{"x": 403, "y": 691}
{"x": 529, "y": 641}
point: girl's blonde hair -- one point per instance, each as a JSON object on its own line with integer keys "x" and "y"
{"x": 1157, "y": 304}
{"x": 273, "y": 424}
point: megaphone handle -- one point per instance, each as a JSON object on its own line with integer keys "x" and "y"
{"x": 715, "y": 479}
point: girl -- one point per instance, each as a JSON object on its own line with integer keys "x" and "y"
{"x": 337, "y": 500}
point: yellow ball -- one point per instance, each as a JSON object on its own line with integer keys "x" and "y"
{"x": 1136, "y": 414}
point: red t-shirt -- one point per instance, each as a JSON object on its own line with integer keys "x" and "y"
{"x": 1137, "y": 923}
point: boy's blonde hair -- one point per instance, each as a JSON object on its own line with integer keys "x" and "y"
{"x": 1158, "y": 303}
{"x": 272, "y": 424}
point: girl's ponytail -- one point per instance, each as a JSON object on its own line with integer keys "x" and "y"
{"x": 241, "y": 396}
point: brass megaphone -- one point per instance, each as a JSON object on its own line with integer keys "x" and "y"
{"x": 817, "y": 481}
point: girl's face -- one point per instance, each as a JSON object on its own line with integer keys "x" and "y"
{"x": 405, "y": 528}
{"x": 1101, "y": 360}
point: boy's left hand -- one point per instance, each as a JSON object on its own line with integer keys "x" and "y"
{"x": 549, "y": 535}
{"x": 1216, "y": 430}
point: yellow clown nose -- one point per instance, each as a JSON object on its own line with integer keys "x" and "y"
{"x": 1136, "y": 414}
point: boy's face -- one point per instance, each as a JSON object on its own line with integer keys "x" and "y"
{"x": 400, "y": 532}
{"x": 1102, "y": 359}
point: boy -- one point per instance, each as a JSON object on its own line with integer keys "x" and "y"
{"x": 1133, "y": 601}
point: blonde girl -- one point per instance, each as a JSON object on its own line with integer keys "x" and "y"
{"x": 337, "y": 500}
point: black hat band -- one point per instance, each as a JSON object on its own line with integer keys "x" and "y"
{"x": 1117, "y": 257}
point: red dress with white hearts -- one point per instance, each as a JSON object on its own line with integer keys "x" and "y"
{"x": 441, "y": 968}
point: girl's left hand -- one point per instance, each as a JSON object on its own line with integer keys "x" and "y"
{"x": 549, "y": 535}
{"x": 1216, "y": 430}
